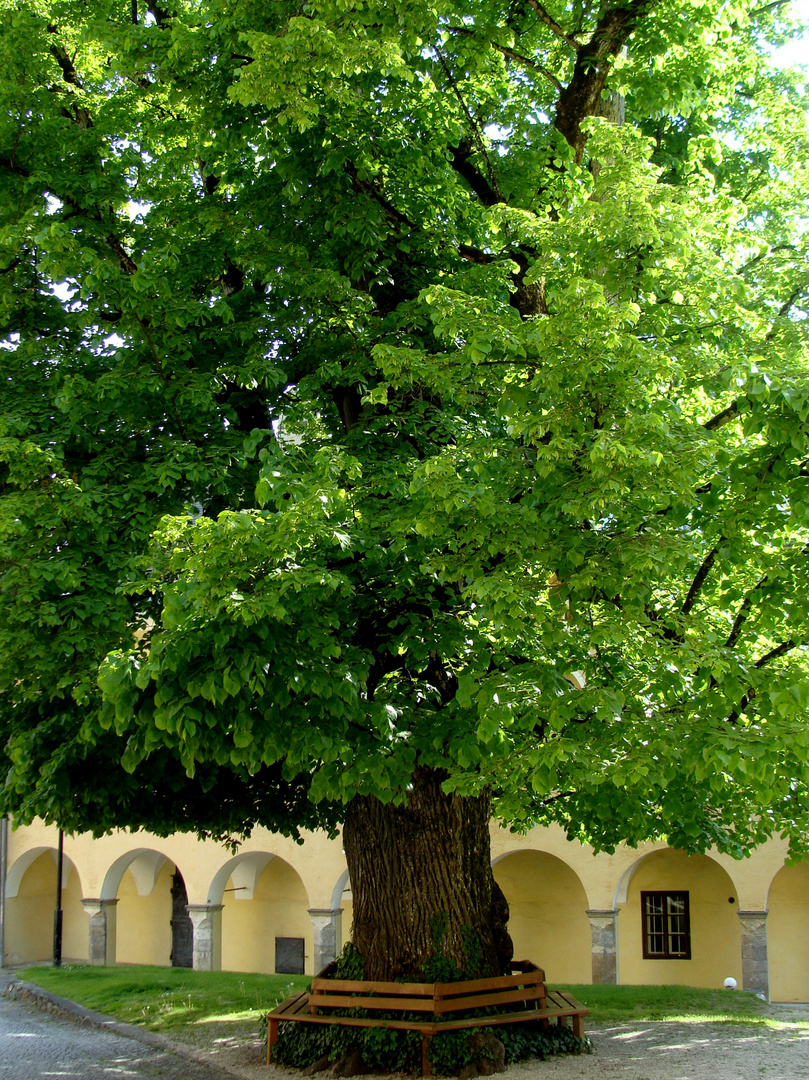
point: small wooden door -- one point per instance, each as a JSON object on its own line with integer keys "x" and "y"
{"x": 289, "y": 955}
{"x": 182, "y": 930}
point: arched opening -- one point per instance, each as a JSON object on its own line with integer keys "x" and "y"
{"x": 182, "y": 930}
{"x": 265, "y": 918}
{"x": 343, "y": 900}
{"x": 31, "y": 902}
{"x": 548, "y": 914}
{"x": 678, "y": 922}
{"x": 788, "y": 934}
{"x": 142, "y": 882}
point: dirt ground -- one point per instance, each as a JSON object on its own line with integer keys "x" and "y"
{"x": 646, "y": 1051}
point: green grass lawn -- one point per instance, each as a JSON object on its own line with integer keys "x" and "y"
{"x": 622, "y": 1004}
{"x": 168, "y": 999}
{"x": 185, "y": 1003}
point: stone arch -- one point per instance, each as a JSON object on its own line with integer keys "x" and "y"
{"x": 622, "y": 888}
{"x": 788, "y": 934}
{"x": 265, "y": 914}
{"x": 22, "y": 863}
{"x": 548, "y": 913}
{"x": 144, "y": 864}
{"x": 244, "y": 870}
{"x": 141, "y": 881}
{"x": 342, "y": 900}
{"x": 715, "y": 929}
{"x": 30, "y": 906}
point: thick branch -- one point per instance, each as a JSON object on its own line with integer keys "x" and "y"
{"x": 722, "y": 418}
{"x": 773, "y": 654}
{"x": 593, "y": 63}
{"x": 511, "y": 54}
{"x": 553, "y": 25}
{"x": 476, "y": 135}
{"x": 742, "y": 613}
{"x": 763, "y": 255}
{"x": 699, "y": 578}
{"x": 127, "y": 263}
{"x": 60, "y": 54}
{"x": 366, "y": 187}
{"x": 793, "y": 296}
{"x": 481, "y": 187}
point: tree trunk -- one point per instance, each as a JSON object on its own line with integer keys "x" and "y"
{"x": 422, "y": 883}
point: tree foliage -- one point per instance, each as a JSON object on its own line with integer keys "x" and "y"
{"x": 400, "y": 384}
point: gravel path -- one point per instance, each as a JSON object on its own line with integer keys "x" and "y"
{"x": 671, "y": 1051}
{"x": 651, "y": 1051}
{"x": 35, "y": 1044}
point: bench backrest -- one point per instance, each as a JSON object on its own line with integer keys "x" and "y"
{"x": 526, "y": 985}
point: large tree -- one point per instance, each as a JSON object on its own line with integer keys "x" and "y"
{"x": 404, "y": 418}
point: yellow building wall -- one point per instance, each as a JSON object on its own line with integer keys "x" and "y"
{"x": 279, "y": 908}
{"x": 788, "y": 934}
{"x": 144, "y": 922}
{"x": 75, "y": 928}
{"x": 715, "y": 927}
{"x": 29, "y": 916}
{"x": 548, "y": 922}
{"x": 550, "y": 887}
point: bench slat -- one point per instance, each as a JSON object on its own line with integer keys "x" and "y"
{"x": 328, "y": 986}
{"x": 435, "y": 1027}
{"x": 440, "y": 1007}
{"x": 503, "y": 982}
{"x": 291, "y": 1006}
{"x": 354, "y": 1001}
{"x": 482, "y": 1001}
{"x": 558, "y": 999}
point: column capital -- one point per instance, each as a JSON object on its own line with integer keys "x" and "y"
{"x": 753, "y": 914}
{"x": 97, "y": 902}
{"x": 603, "y": 913}
{"x": 206, "y": 920}
{"x": 326, "y": 934}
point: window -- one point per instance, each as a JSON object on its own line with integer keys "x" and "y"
{"x": 666, "y": 926}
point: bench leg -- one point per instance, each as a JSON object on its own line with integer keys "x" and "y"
{"x": 425, "y": 1061}
{"x": 272, "y": 1037}
{"x": 578, "y": 1027}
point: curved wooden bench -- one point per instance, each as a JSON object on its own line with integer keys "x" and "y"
{"x": 442, "y": 1005}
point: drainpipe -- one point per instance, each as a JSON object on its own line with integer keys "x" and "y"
{"x": 57, "y": 915}
{"x": 3, "y": 865}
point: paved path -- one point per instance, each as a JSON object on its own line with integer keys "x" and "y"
{"x": 35, "y": 1045}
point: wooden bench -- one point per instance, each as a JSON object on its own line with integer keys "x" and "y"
{"x": 440, "y": 1004}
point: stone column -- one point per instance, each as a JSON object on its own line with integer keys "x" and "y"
{"x": 755, "y": 965}
{"x": 604, "y": 930}
{"x": 326, "y": 923}
{"x": 206, "y": 920}
{"x": 102, "y": 918}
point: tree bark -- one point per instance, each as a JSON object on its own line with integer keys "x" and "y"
{"x": 422, "y": 883}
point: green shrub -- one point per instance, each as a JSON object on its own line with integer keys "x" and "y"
{"x": 395, "y": 1050}
{"x": 388, "y": 1049}
{"x": 532, "y": 1040}
{"x": 350, "y": 964}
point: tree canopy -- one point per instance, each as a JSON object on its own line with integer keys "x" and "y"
{"x": 398, "y": 385}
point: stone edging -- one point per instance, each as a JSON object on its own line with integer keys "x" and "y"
{"x": 29, "y": 994}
